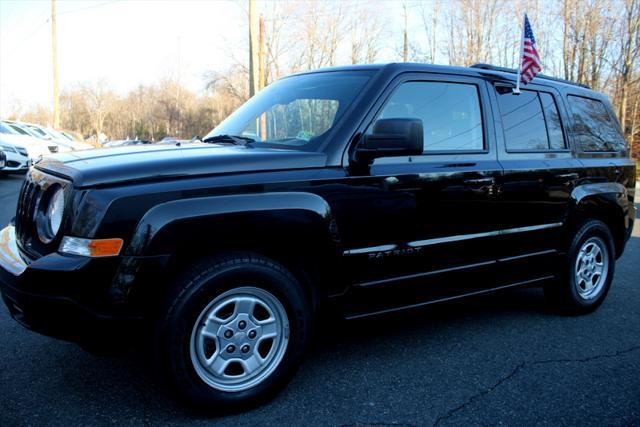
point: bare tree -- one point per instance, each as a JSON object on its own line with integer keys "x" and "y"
{"x": 628, "y": 52}
{"x": 99, "y": 102}
{"x": 367, "y": 30}
{"x": 471, "y": 30}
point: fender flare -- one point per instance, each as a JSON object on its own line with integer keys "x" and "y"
{"x": 609, "y": 199}
{"x": 164, "y": 214}
{"x": 594, "y": 189}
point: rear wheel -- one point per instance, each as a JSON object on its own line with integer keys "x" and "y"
{"x": 234, "y": 332}
{"x": 588, "y": 271}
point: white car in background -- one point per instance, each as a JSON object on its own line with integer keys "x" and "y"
{"x": 35, "y": 149}
{"x": 64, "y": 139}
{"x": 20, "y": 129}
{"x": 17, "y": 159}
{"x": 28, "y": 129}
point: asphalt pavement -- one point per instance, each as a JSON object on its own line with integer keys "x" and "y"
{"x": 499, "y": 359}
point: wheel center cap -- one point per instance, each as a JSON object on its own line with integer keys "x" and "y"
{"x": 234, "y": 337}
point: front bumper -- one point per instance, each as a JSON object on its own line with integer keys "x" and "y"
{"x": 62, "y": 296}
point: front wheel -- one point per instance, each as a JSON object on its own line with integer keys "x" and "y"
{"x": 234, "y": 332}
{"x": 588, "y": 274}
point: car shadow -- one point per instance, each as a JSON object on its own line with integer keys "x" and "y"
{"x": 127, "y": 380}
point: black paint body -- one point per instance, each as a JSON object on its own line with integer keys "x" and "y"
{"x": 400, "y": 232}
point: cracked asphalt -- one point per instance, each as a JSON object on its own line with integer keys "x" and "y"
{"x": 498, "y": 359}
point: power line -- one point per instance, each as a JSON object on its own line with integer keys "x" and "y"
{"x": 93, "y": 6}
{"x": 46, "y": 20}
{"x": 33, "y": 33}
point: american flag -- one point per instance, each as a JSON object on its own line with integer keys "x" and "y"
{"x": 530, "y": 64}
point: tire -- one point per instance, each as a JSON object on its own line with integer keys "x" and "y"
{"x": 583, "y": 285}
{"x": 190, "y": 337}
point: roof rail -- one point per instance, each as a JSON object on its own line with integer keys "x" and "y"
{"x": 514, "y": 71}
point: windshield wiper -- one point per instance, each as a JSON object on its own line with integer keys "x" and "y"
{"x": 234, "y": 139}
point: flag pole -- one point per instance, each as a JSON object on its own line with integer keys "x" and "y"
{"x": 516, "y": 91}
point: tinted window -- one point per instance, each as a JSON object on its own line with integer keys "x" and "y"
{"x": 450, "y": 114}
{"x": 593, "y": 126}
{"x": 522, "y": 120}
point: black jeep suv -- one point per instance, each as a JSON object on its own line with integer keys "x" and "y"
{"x": 363, "y": 190}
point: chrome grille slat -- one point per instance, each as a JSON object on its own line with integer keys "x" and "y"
{"x": 24, "y": 217}
{"x": 35, "y": 184}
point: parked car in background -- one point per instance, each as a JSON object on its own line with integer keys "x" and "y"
{"x": 24, "y": 130}
{"x": 35, "y": 148}
{"x": 173, "y": 140}
{"x": 16, "y": 158}
{"x": 72, "y": 136}
{"x": 67, "y": 141}
{"x": 44, "y": 134}
{"x": 119, "y": 143}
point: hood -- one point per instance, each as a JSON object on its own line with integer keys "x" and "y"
{"x": 156, "y": 161}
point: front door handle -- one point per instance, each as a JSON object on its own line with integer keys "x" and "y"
{"x": 568, "y": 176}
{"x": 479, "y": 182}
{"x": 616, "y": 169}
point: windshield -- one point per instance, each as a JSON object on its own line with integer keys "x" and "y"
{"x": 57, "y": 135}
{"x": 19, "y": 130}
{"x": 5, "y": 129}
{"x": 296, "y": 112}
{"x": 38, "y": 132}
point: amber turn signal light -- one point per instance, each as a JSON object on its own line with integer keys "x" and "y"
{"x": 94, "y": 248}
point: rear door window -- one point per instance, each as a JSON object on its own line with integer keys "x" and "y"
{"x": 593, "y": 126}
{"x": 530, "y": 121}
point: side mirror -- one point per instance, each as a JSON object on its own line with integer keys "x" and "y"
{"x": 392, "y": 137}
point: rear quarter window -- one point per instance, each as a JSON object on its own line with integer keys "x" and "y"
{"x": 594, "y": 127}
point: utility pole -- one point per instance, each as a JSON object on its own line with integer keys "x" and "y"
{"x": 261, "y": 67}
{"x": 253, "y": 48}
{"x": 261, "y": 63}
{"x": 405, "y": 47}
{"x": 54, "y": 60}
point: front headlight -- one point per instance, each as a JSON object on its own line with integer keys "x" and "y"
{"x": 50, "y": 212}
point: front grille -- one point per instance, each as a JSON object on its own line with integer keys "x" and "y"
{"x": 25, "y": 227}
{"x": 34, "y": 186}
{"x": 53, "y": 148}
{"x": 13, "y": 164}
